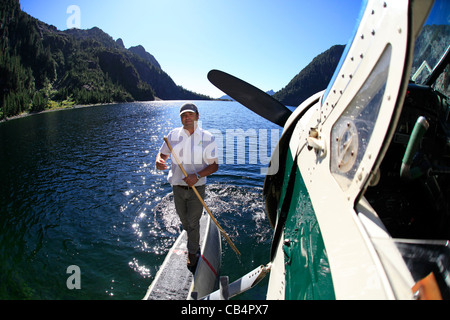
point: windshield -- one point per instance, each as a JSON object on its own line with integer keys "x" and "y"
{"x": 431, "y": 46}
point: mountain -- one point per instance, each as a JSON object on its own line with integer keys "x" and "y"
{"x": 41, "y": 66}
{"x": 140, "y": 51}
{"x": 312, "y": 79}
{"x": 429, "y": 46}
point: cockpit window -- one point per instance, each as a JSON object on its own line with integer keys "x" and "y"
{"x": 431, "y": 46}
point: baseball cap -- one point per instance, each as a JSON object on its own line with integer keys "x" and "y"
{"x": 188, "y": 107}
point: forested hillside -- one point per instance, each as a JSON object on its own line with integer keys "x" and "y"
{"x": 41, "y": 67}
{"x": 312, "y": 79}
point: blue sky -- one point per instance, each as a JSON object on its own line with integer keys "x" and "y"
{"x": 265, "y": 43}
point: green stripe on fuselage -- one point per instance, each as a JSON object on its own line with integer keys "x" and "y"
{"x": 308, "y": 274}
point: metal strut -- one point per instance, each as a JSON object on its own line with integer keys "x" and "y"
{"x": 247, "y": 282}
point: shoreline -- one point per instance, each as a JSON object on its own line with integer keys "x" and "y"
{"x": 78, "y": 106}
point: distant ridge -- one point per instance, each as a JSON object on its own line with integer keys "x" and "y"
{"x": 42, "y": 67}
{"x": 314, "y": 78}
{"x": 140, "y": 51}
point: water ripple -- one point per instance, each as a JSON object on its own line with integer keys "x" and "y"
{"x": 79, "y": 187}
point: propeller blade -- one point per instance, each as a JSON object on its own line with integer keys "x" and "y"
{"x": 251, "y": 97}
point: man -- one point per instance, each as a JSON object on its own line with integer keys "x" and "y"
{"x": 196, "y": 149}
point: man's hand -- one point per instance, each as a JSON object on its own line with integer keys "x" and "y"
{"x": 161, "y": 161}
{"x": 191, "y": 180}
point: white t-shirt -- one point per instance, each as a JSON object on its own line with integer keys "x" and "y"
{"x": 195, "y": 152}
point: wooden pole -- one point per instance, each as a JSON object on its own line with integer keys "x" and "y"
{"x": 201, "y": 200}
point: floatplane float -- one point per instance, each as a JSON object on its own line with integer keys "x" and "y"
{"x": 359, "y": 198}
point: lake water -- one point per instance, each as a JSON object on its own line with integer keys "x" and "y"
{"x": 79, "y": 187}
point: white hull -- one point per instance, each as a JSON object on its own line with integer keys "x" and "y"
{"x": 174, "y": 281}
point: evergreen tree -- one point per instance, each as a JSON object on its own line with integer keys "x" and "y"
{"x": 40, "y": 65}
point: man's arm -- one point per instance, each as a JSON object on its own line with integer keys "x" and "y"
{"x": 209, "y": 170}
